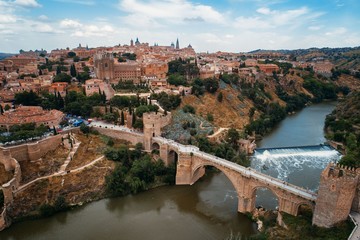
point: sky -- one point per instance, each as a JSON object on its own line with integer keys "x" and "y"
{"x": 228, "y": 25}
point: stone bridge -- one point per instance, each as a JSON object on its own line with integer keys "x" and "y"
{"x": 339, "y": 190}
{"x": 191, "y": 164}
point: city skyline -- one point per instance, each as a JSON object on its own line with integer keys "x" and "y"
{"x": 232, "y": 25}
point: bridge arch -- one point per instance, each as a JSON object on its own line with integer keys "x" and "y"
{"x": 304, "y": 207}
{"x": 199, "y": 169}
{"x": 268, "y": 189}
{"x": 155, "y": 146}
{"x": 172, "y": 157}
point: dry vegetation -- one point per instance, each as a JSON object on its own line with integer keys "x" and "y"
{"x": 231, "y": 112}
{"x": 47, "y": 165}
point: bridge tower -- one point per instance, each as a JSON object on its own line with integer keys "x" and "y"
{"x": 153, "y": 122}
{"x": 336, "y": 194}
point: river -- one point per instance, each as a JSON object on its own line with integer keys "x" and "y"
{"x": 207, "y": 210}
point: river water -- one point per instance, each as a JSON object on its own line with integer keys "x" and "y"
{"x": 207, "y": 210}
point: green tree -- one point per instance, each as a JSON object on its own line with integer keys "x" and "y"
{"x": 27, "y": 98}
{"x": 73, "y": 70}
{"x": 232, "y": 136}
{"x": 84, "y": 128}
{"x": 71, "y": 54}
{"x": 189, "y": 109}
{"x": 83, "y": 76}
{"x": 220, "y": 97}
{"x": 62, "y": 77}
{"x": 211, "y": 85}
{"x": 122, "y": 118}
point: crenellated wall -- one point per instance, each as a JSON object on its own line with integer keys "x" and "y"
{"x": 337, "y": 189}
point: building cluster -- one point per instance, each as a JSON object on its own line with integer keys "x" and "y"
{"x": 136, "y": 62}
{"x": 30, "y": 114}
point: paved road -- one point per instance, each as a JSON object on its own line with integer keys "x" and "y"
{"x": 355, "y": 235}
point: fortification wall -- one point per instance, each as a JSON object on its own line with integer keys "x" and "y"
{"x": 31, "y": 151}
{"x": 131, "y": 137}
{"x": 13, "y": 184}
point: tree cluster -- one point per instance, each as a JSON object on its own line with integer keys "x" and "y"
{"x": 135, "y": 171}
{"x": 168, "y": 102}
{"x": 23, "y": 132}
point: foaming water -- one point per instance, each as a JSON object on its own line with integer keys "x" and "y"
{"x": 284, "y": 162}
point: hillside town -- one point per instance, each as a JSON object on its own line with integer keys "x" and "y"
{"x": 101, "y": 69}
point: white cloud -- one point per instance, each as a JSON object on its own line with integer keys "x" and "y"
{"x": 174, "y": 11}
{"x": 94, "y": 30}
{"x": 269, "y": 19}
{"x": 7, "y": 18}
{"x": 43, "y": 28}
{"x": 314, "y": 28}
{"x": 336, "y": 32}
{"x": 69, "y": 23}
{"x": 27, "y": 3}
{"x": 81, "y": 2}
{"x": 264, "y": 10}
{"x": 43, "y": 17}
{"x": 251, "y": 23}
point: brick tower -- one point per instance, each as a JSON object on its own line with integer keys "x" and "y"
{"x": 336, "y": 194}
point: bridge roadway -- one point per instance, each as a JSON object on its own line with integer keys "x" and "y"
{"x": 248, "y": 172}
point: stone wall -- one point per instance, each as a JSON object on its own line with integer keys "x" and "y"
{"x": 336, "y": 194}
{"x": 13, "y": 184}
{"x": 32, "y": 151}
{"x": 131, "y": 137}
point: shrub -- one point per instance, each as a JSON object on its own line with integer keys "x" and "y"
{"x": 189, "y": 109}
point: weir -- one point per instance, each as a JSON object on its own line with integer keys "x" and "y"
{"x": 285, "y": 161}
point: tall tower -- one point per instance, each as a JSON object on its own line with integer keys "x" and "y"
{"x": 104, "y": 66}
{"x": 132, "y": 42}
{"x": 137, "y": 42}
{"x": 153, "y": 122}
{"x": 335, "y": 196}
{"x": 177, "y": 44}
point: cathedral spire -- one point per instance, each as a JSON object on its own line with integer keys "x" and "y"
{"x": 177, "y": 43}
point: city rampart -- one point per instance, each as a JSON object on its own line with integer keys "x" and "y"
{"x": 31, "y": 151}
{"x": 132, "y": 137}
{"x": 10, "y": 157}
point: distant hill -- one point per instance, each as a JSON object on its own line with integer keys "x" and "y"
{"x": 326, "y": 50}
{"x": 344, "y": 58}
{"x": 5, "y": 55}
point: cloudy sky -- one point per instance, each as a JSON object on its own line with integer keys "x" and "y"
{"x": 228, "y": 25}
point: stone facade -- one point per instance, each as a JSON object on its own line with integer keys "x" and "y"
{"x": 104, "y": 66}
{"x": 153, "y": 123}
{"x": 336, "y": 195}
